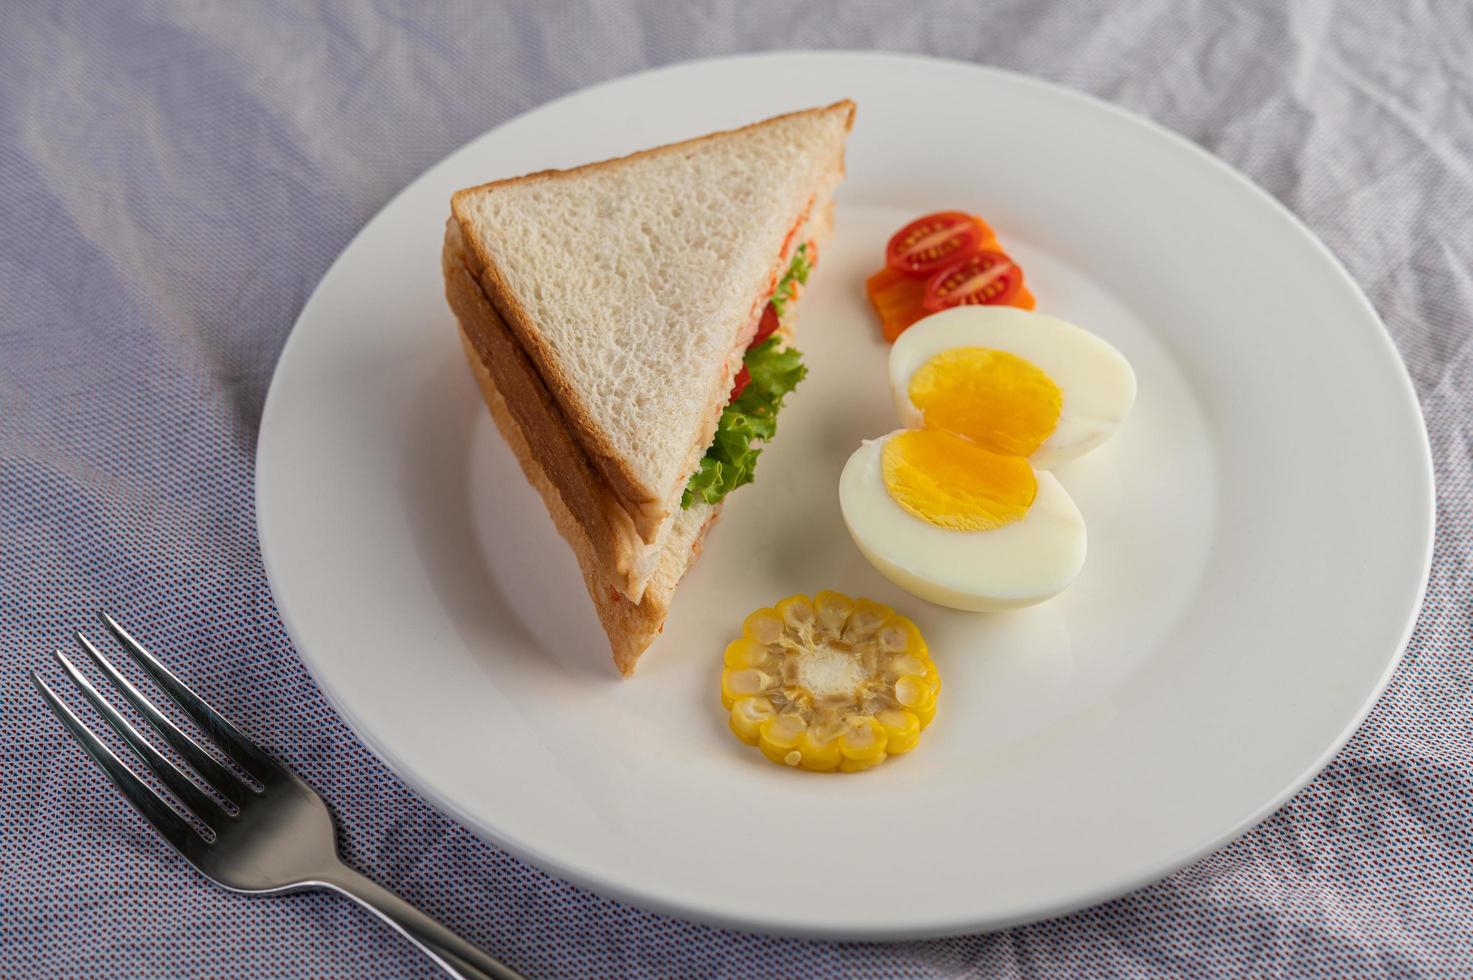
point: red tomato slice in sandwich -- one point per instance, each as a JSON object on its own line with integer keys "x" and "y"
{"x": 743, "y": 378}
{"x": 986, "y": 278}
{"x": 935, "y": 241}
{"x": 767, "y": 326}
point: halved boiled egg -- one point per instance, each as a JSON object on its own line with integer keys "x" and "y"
{"x": 1011, "y": 380}
{"x": 959, "y": 525}
{"x": 959, "y": 508}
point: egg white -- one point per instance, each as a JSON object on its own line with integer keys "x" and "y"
{"x": 1015, "y": 565}
{"x": 1097, "y": 382}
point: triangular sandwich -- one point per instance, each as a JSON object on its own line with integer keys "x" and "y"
{"x": 619, "y": 318}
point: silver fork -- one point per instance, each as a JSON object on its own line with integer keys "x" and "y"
{"x": 281, "y": 836}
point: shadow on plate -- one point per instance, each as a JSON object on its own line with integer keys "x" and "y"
{"x": 477, "y": 524}
{"x": 436, "y": 483}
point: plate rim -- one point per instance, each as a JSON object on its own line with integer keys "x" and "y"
{"x": 963, "y": 924}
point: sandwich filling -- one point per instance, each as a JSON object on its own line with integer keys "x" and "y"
{"x": 770, "y": 370}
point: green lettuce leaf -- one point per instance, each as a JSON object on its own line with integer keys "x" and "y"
{"x": 751, "y": 417}
{"x": 796, "y": 275}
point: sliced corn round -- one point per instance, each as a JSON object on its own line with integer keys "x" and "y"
{"x": 829, "y": 683}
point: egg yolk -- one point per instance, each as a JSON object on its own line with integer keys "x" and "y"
{"x": 954, "y": 483}
{"x": 998, "y": 400}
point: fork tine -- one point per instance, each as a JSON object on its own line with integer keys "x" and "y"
{"x": 222, "y": 780}
{"x": 200, "y": 803}
{"x": 245, "y": 752}
{"x": 180, "y": 835}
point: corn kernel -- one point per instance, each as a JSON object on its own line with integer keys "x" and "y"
{"x": 865, "y": 738}
{"x": 765, "y": 626}
{"x": 900, "y": 666}
{"x": 742, "y": 683}
{"x": 747, "y": 716}
{"x": 744, "y": 652}
{"x": 926, "y": 712}
{"x": 797, "y": 614}
{"x": 847, "y": 764}
{"x": 819, "y": 754}
{"x": 902, "y": 730}
{"x": 933, "y": 676}
{"x": 782, "y": 756}
{"x": 925, "y": 709}
{"x": 833, "y": 610}
{"x": 899, "y": 634}
{"x": 891, "y": 638}
{"x": 912, "y": 689}
{"x": 865, "y": 619}
{"x": 784, "y": 730}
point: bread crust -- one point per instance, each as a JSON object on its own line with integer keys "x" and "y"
{"x": 570, "y": 487}
{"x": 647, "y": 507}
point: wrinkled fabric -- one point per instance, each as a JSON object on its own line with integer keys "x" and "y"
{"x": 175, "y": 179}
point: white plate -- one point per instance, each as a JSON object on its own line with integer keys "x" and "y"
{"x": 1260, "y": 532}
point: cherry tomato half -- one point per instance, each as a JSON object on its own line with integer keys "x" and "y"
{"x": 986, "y": 278}
{"x": 929, "y": 244}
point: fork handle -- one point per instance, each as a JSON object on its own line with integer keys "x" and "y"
{"x": 455, "y": 955}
